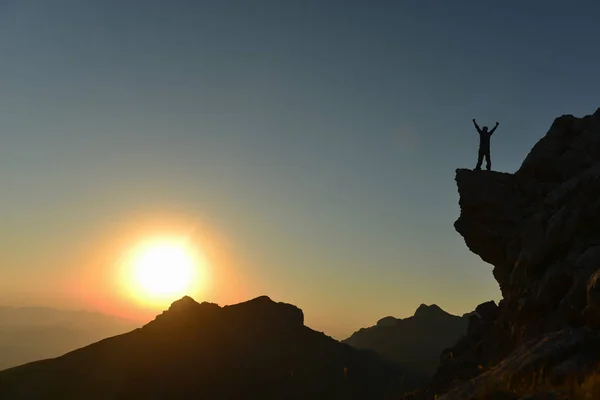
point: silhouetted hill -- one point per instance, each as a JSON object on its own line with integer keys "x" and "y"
{"x": 415, "y": 342}
{"x": 34, "y": 333}
{"x": 254, "y": 350}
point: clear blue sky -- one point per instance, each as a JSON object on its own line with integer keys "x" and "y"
{"x": 318, "y": 138}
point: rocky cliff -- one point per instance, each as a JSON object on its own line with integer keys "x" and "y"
{"x": 540, "y": 229}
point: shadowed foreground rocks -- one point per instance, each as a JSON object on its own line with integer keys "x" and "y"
{"x": 540, "y": 229}
{"x": 254, "y": 350}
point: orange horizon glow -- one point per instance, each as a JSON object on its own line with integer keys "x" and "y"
{"x": 101, "y": 275}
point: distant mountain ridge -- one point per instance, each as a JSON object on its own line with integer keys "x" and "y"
{"x": 47, "y": 316}
{"x": 257, "y": 349}
{"x": 33, "y": 333}
{"x": 416, "y": 342}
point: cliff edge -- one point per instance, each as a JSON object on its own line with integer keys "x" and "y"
{"x": 540, "y": 229}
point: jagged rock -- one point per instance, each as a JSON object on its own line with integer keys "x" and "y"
{"x": 552, "y": 359}
{"x": 475, "y": 326}
{"x": 539, "y": 229}
{"x": 487, "y": 311}
{"x": 592, "y": 310}
{"x": 467, "y": 357}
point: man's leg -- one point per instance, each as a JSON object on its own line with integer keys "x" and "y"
{"x": 479, "y": 159}
{"x": 488, "y": 162}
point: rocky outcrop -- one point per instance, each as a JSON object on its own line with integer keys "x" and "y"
{"x": 463, "y": 360}
{"x": 540, "y": 229}
{"x": 556, "y": 363}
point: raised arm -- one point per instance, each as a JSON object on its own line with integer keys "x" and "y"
{"x": 476, "y": 126}
{"x": 494, "y": 128}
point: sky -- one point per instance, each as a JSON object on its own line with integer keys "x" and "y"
{"x": 309, "y": 147}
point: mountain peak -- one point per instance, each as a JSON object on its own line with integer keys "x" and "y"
{"x": 188, "y": 305}
{"x": 426, "y": 311}
{"x": 185, "y": 301}
{"x": 264, "y": 309}
{"x": 187, "y": 312}
{"x": 415, "y": 342}
{"x": 264, "y": 299}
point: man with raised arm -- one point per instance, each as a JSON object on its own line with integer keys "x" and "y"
{"x": 484, "y": 145}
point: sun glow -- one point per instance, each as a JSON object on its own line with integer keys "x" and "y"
{"x": 162, "y": 270}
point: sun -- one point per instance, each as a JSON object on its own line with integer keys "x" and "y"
{"x": 162, "y": 270}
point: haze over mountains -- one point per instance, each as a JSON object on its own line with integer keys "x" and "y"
{"x": 34, "y": 333}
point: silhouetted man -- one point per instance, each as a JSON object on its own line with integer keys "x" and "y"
{"x": 484, "y": 145}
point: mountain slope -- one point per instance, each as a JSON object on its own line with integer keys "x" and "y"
{"x": 257, "y": 349}
{"x": 33, "y": 333}
{"x": 415, "y": 342}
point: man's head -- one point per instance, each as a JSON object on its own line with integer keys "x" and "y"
{"x": 484, "y": 129}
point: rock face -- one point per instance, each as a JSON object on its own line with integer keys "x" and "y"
{"x": 415, "y": 343}
{"x": 259, "y": 349}
{"x": 540, "y": 229}
{"x": 542, "y": 367}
